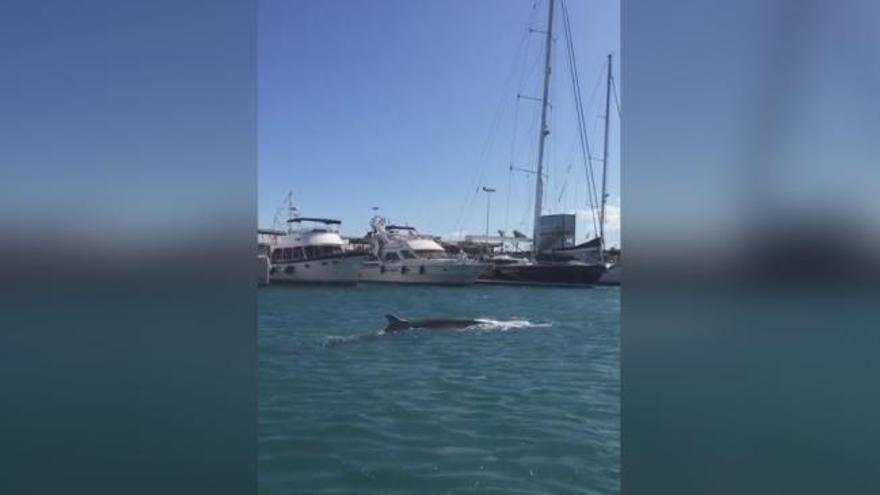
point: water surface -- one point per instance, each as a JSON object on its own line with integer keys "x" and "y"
{"x": 527, "y": 402}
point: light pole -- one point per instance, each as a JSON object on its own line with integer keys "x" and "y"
{"x": 488, "y": 191}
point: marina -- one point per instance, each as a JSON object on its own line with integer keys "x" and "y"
{"x": 398, "y": 253}
{"x": 422, "y": 327}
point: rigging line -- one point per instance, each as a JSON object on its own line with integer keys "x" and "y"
{"x": 520, "y": 85}
{"x": 580, "y": 114}
{"x": 614, "y": 90}
{"x": 564, "y": 183}
{"x": 488, "y": 145}
{"x": 537, "y": 57}
{"x": 524, "y": 76}
{"x": 572, "y": 149}
{"x": 601, "y": 77}
{"x": 482, "y": 162}
{"x": 578, "y": 101}
{"x": 510, "y": 159}
{"x": 529, "y": 70}
{"x": 507, "y": 207}
{"x": 490, "y": 138}
{"x": 518, "y": 61}
{"x": 584, "y": 141}
{"x": 513, "y": 134}
{"x": 283, "y": 207}
{"x": 527, "y": 214}
{"x": 561, "y": 193}
{"x": 591, "y": 186}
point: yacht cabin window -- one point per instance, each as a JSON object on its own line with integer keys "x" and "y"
{"x": 330, "y": 250}
{"x": 298, "y": 253}
{"x": 408, "y": 255}
{"x": 392, "y": 257}
{"x": 431, "y": 253}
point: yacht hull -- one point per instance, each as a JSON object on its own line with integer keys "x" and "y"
{"x": 336, "y": 270}
{"x": 612, "y": 276}
{"x": 548, "y": 274}
{"x": 421, "y": 273}
{"x": 263, "y": 270}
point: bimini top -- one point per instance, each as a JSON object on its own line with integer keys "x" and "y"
{"x": 399, "y": 227}
{"x": 328, "y": 221}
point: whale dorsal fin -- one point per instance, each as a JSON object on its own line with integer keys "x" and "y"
{"x": 392, "y": 319}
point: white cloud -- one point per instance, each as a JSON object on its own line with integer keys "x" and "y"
{"x": 612, "y": 223}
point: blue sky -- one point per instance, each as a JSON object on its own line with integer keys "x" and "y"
{"x": 411, "y": 107}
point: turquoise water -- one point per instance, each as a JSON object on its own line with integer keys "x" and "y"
{"x": 527, "y": 402}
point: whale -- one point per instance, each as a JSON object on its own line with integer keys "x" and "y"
{"x": 397, "y": 324}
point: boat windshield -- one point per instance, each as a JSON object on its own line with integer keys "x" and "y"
{"x": 432, "y": 254}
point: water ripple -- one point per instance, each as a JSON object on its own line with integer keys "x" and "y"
{"x": 525, "y": 402}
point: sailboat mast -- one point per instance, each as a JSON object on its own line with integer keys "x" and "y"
{"x": 290, "y": 211}
{"x": 543, "y": 132}
{"x": 605, "y": 162}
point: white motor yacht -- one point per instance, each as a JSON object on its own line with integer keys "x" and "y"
{"x": 312, "y": 252}
{"x": 400, "y": 254}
